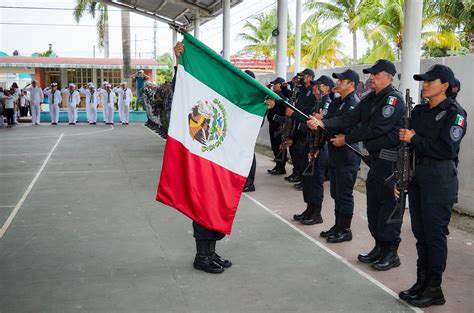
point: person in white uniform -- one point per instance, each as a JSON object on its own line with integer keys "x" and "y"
{"x": 124, "y": 100}
{"x": 73, "y": 100}
{"x": 92, "y": 101}
{"x": 100, "y": 90}
{"x": 36, "y": 97}
{"x": 108, "y": 99}
{"x": 54, "y": 100}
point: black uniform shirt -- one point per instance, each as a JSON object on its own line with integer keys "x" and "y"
{"x": 279, "y": 108}
{"x": 305, "y": 102}
{"x": 438, "y": 130}
{"x": 342, "y": 156}
{"x": 380, "y": 120}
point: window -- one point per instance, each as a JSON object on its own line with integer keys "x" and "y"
{"x": 114, "y": 77}
{"x": 79, "y": 76}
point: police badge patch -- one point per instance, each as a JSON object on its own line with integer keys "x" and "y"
{"x": 456, "y": 133}
{"x": 440, "y": 115}
{"x": 388, "y": 110}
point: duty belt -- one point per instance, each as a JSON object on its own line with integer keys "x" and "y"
{"x": 430, "y": 161}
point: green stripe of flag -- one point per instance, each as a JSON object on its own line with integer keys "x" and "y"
{"x": 223, "y": 77}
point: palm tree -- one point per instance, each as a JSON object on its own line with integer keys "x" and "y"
{"x": 259, "y": 35}
{"x": 385, "y": 32}
{"x": 92, "y": 6}
{"x": 448, "y": 17}
{"x": 127, "y": 69}
{"x": 350, "y": 13}
{"x": 320, "y": 48}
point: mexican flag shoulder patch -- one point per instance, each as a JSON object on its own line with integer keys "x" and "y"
{"x": 459, "y": 120}
{"x": 392, "y": 101}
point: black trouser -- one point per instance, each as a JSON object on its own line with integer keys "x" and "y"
{"x": 313, "y": 189}
{"x": 275, "y": 141}
{"x": 23, "y": 111}
{"x": 342, "y": 180}
{"x": 299, "y": 156}
{"x": 202, "y": 233}
{"x": 381, "y": 203}
{"x": 432, "y": 194}
{"x": 9, "y": 116}
{"x": 253, "y": 169}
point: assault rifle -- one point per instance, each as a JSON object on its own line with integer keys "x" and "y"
{"x": 315, "y": 138}
{"x": 404, "y": 166}
{"x": 287, "y": 125}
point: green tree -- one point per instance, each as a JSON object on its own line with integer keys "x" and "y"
{"x": 385, "y": 31}
{"x": 93, "y": 8}
{"x": 259, "y": 35}
{"x": 350, "y": 13}
{"x": 47, "y": 53}
{"x": 165, "y": 75}
{"x": 453, "y": 22}
{"x": 320, "y": 48}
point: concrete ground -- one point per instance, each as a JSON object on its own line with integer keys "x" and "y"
{"x": 81, "y": 232}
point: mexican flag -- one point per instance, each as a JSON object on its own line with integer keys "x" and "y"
{"x": 216, "y": 115}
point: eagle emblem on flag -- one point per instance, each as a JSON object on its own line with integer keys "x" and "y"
{"x": 208, "y": 124}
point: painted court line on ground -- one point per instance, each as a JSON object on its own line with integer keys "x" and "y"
{"x": 28, "y": 190}
{"x": 334, "y": 254}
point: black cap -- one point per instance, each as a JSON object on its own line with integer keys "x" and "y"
{"x": 250, "y": 73}
{"x": 307, "y": 71}
{"x": 326, "y": 80}
{"x": 437, "y": 71}
{"x": 277, "y": 80}
{"x": 381, "y": 66}
{"x": 457, "y": 83}
{"x": 349, "y": 75}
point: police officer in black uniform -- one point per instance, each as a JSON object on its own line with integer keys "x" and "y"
{"x": 343, "y": 164}
{"x": 297, "y": 142}
{"x": 280, "y": 88}
{"x": 438, "y": 128}
{"x": 380, "y": 116}
{"x": 313, "y": 189}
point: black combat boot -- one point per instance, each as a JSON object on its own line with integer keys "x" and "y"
{"x": 332, "y": 230}
{"x": 222, "y": 262}
{"x": 290, "y": 176}
{"x": 302, "y": 216}
{"x": 373, "y": 255}
{"x": 203, "y": 260}
{"x": 388, "y": 259}
{"x": 343, "y": 231}
{"x": 314, "y": 217}
{"x": 295, "y": 179}
{"x": 249, "y": 186}
{"x": 421, "y": 276}
{"x": 279, "y": 169}
{"x": 298, "y": 186}
{"x": 431, "y": 294}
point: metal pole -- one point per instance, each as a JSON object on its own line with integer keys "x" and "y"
{"x": 197, "y": 24}
{"x": 155, "y": 29}
{"x": 226, "y": 28}
{"x": 411, "y": 47}
{"x": 298, "y": 38}
{"x": 175, "y": 40}
{"x": 282, "y": 40}
{"x": 135, "y": 45}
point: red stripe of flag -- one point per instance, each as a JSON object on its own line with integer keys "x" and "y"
{"x": 215, "y": 193}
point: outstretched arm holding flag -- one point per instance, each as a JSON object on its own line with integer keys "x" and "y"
{"x": 216, "y": 114}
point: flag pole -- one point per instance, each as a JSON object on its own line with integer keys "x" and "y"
{"x": 300, "y": 113}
